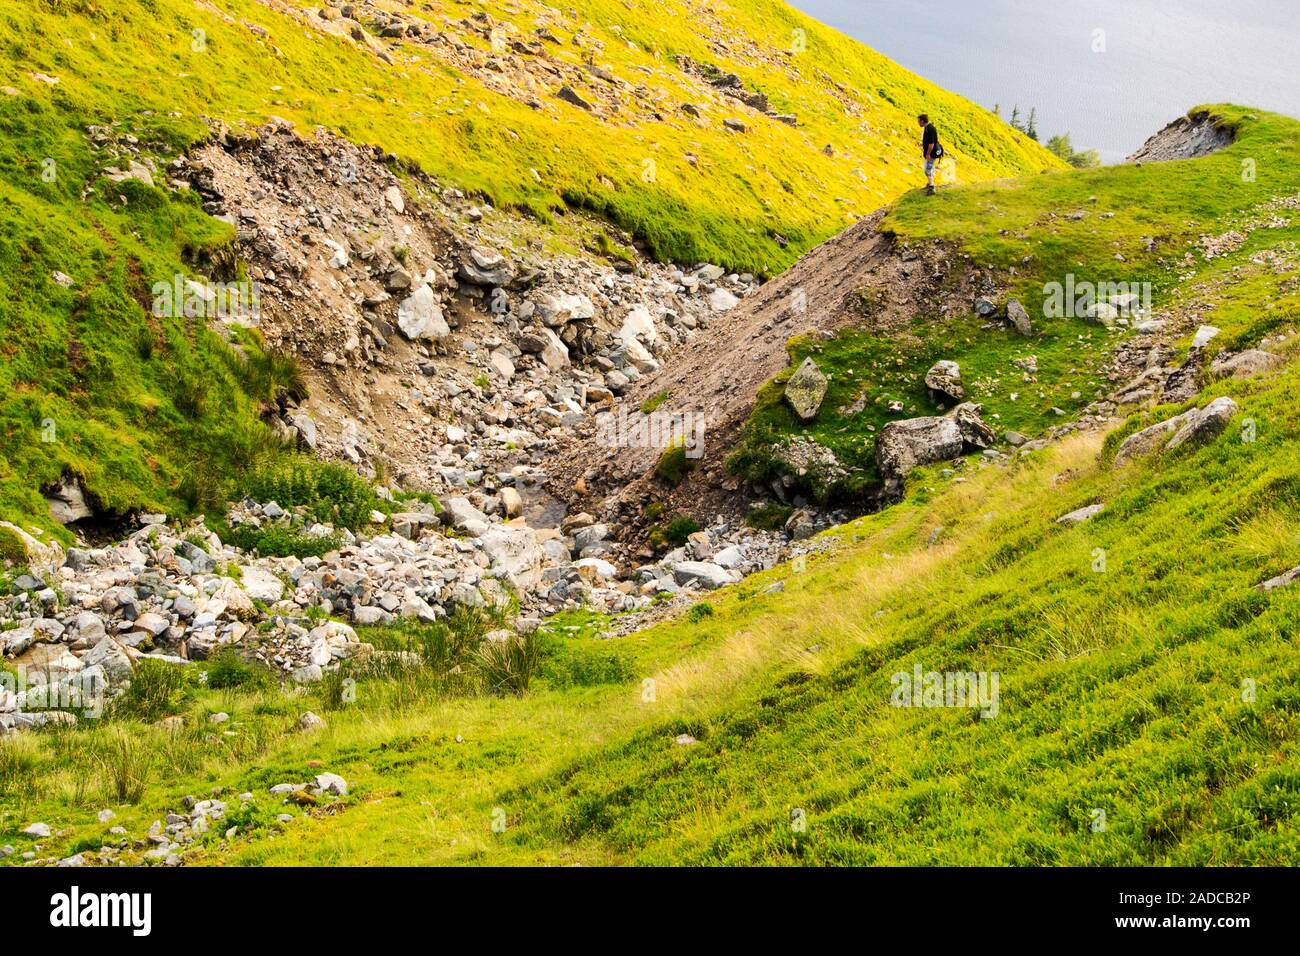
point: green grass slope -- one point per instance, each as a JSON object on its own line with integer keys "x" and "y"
{"x": 178, "y": 61}
{"x": 1122, "y": 224}
{"x": 1148, "y": 707}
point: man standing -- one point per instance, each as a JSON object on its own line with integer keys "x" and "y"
{"x": 931, "y": 149}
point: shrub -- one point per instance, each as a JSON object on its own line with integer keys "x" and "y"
{"x": 768, "y": 517}
{"x": 333, "y": 689}
{"x": 674, "y": 532}
{"x": 126, "y": 764}
{"x": 699, "y": 612}
{"x": 507, "y": 667}
{"x": 329, "y": 491}
{"x": 278, "y": 541}
{"x": 157, "y": 689}
{"x": 673, "y": 464}
{"x": 228, "y": 670}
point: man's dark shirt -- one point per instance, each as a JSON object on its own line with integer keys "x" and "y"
{"x": 930, "y": 138}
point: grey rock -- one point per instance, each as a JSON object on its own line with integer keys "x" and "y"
{"x": 702, "y": 573}
{"x": 1245, "y": 364}
{"x": 1018, "y": 316}
{"x": 806, "y": 390}
{"x": 420, "y": 316}
{"x": 109, "y": 655}
{"x": 67, "y": 501}
{"x": 484, "y": 267}
{"x": 1197, "y": 424}
{"x": 459, "y": 513}
{"x": 569, "y": 95}
{"x": 332, "y": 783}
{"x": 944, "y": 380}
{"x": 1286, "y": 579}
{"x": 1081, "y": 515}
{"x": 310, "y": 722}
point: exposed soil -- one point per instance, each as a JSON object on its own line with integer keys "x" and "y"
{"x": 1185, "y": 138}
{"x": 862, "y": 278}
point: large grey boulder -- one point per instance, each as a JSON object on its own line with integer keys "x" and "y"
{"x": 515, "y": 554}
{"x": 484, "y": 267}
{"x": 975, "y": 432}
{"x": 1245, "y": 364}
{"x": 914, "y": 442}
{"x": 558, "y": 309}
{"x": 1283, "y": 580}
{"x": 111, "y": 658}
{"x": 67, "y": 500}
{"x": 15, "y": 642}
{"x": 420, "y": 316}
{"x": 260, "y": 584}
{"x": 1195, "y": 425}
{"x": 1080, "y": 515}
{"x": 702, "y": 574}
{"x": 544, "y": 343}
{"x": 1018, "y": 316}
{"x": 463, "y": 516}
{"x": 944, "y": 381}
{"x": 806, "y": 390}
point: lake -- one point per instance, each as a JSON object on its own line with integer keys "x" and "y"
{"x": 1155, "y": 59}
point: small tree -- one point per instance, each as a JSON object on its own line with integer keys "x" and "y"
{"x": 1015, "y": 118}
{"x": 1061, "y": 146}
{"x": 1031, "y": 128}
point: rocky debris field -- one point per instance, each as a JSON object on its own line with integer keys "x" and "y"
{"x": 1185, "y": 138}
{"x": 79, "y": 621}
{"x": 170, "y": 839}
{"x": 437, "y": 337}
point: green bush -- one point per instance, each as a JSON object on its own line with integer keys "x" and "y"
{"x": 507, "y": 667}
{"x": 673, "y": 533}
{"x": 279, "y": 541}
{"x": 699, "y": 612}
{"x": 768, "y": 517}
{"x": 673, "y": 465}
{"x": 228, "y": 670}
{"x": 157, "y": 689}
{"x": 329, "y": 491}
{"x": 126, "y": 764}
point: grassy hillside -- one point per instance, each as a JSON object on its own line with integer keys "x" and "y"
{"x": 1121, "y": 689}
{"x": 1124, "y": 224}
{"x": 157, "y": 414}
{"x": 242, "y": 61}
